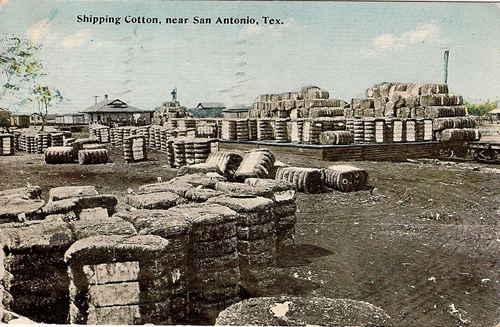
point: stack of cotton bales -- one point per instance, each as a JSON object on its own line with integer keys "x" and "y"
{"x": 256, "y": 240}
{"x": 6, "y": 144}
{"x": 35, "y": 274}
{"x": 265, "y": 129}
{"x": 134, "y": 148}
{"x": 297, "y": 104}
{"x": 213, "y": 274}
{"x": 121, "y": 279}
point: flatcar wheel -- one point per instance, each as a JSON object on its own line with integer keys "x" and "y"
{"x": 487, "y": 155}
{"x": 446, "y": 153}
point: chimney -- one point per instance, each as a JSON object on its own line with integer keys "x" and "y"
{"x": 105, "y": 97}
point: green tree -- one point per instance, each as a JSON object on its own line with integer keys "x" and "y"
{"x": 480, "y": 109}
{"x": 18, "y": 63}
{"x": 45, "y": 97}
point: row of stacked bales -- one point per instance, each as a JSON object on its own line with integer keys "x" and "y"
{"x": 416, "y": 104}
{"x": 310, "y": 101}
{"x": 32, "y": 141}
{"x": 101, "y": 132}
{"x": 389, "y": 130}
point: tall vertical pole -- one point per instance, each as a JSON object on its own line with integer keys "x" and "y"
{"x": 446, "y": 57}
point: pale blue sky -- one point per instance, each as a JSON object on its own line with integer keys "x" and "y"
{"x": 342, "y": 47}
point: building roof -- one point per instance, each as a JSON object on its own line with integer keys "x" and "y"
{"x": 72, "y": 114}
{"x": 206, "y": 105}
{"x": 113, "y": 106}
{"x": 242, "y": 108}
{"x": 495, "y": 111}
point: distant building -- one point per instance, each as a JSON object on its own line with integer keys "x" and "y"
{"x": 208, "y": 109}
{"x": 36, "y": 119}
{"x": 71, "y": 119}
{"x": 110, "y": 111}
{"x": 20, "y": 120}
{"x": 236, "y": 112}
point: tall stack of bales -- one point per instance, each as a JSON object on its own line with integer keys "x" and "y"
{"x": 189, "y": 150}
{"x": 311, "y": 131}
{"x": 256, "y": 234}
{"x": 410, "y": 102}
{"x": 369, "y": 131}
{"x": 103, "y": 134}
{"x": 6, "y": 144}
{"x": 179, "y": 152}
{"x": 229, "y": 130}
{"x": 28, "y": 143}
{"x": 280, "y": 130}
{"x": 118, "y": 279}
{"x": 164, "y": 136}
{"x": 265, "y": 129}
{"x": 134, "y": 148}
{"x": 296, "y": 104}
{"x": 143, "y": 131}
{"x": 56, "y": 139}
{"x": 212, "y": 259}
{"x": 36, "y": 274}
{"x": 43, "y": 141}
{"x": 206, "y": 129}
{"x": 242, "y": 133}
{"x": 202, "y": 149}
{"x": 284, "y": 210}
{"x": 171, "y": 283}
{"x": 252, "y": 129}
{"x": 171, "y": 123}
{"x": 169, "y": 143}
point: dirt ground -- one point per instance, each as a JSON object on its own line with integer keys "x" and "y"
{"x": 423, "y": 244}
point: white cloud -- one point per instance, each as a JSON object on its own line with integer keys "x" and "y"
{"x": 75, "y": 40}
{"x": 386, "y": 41}
{"x": 428, "y": 32}
{"x": 289, "y": 25}
{"x": 39, "y": 30}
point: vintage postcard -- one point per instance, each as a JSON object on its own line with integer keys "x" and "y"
{"x": 269, "y": 163}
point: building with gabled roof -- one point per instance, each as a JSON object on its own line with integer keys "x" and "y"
{"x": 208, "y": 109}
{"x": 110, "y": 111}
